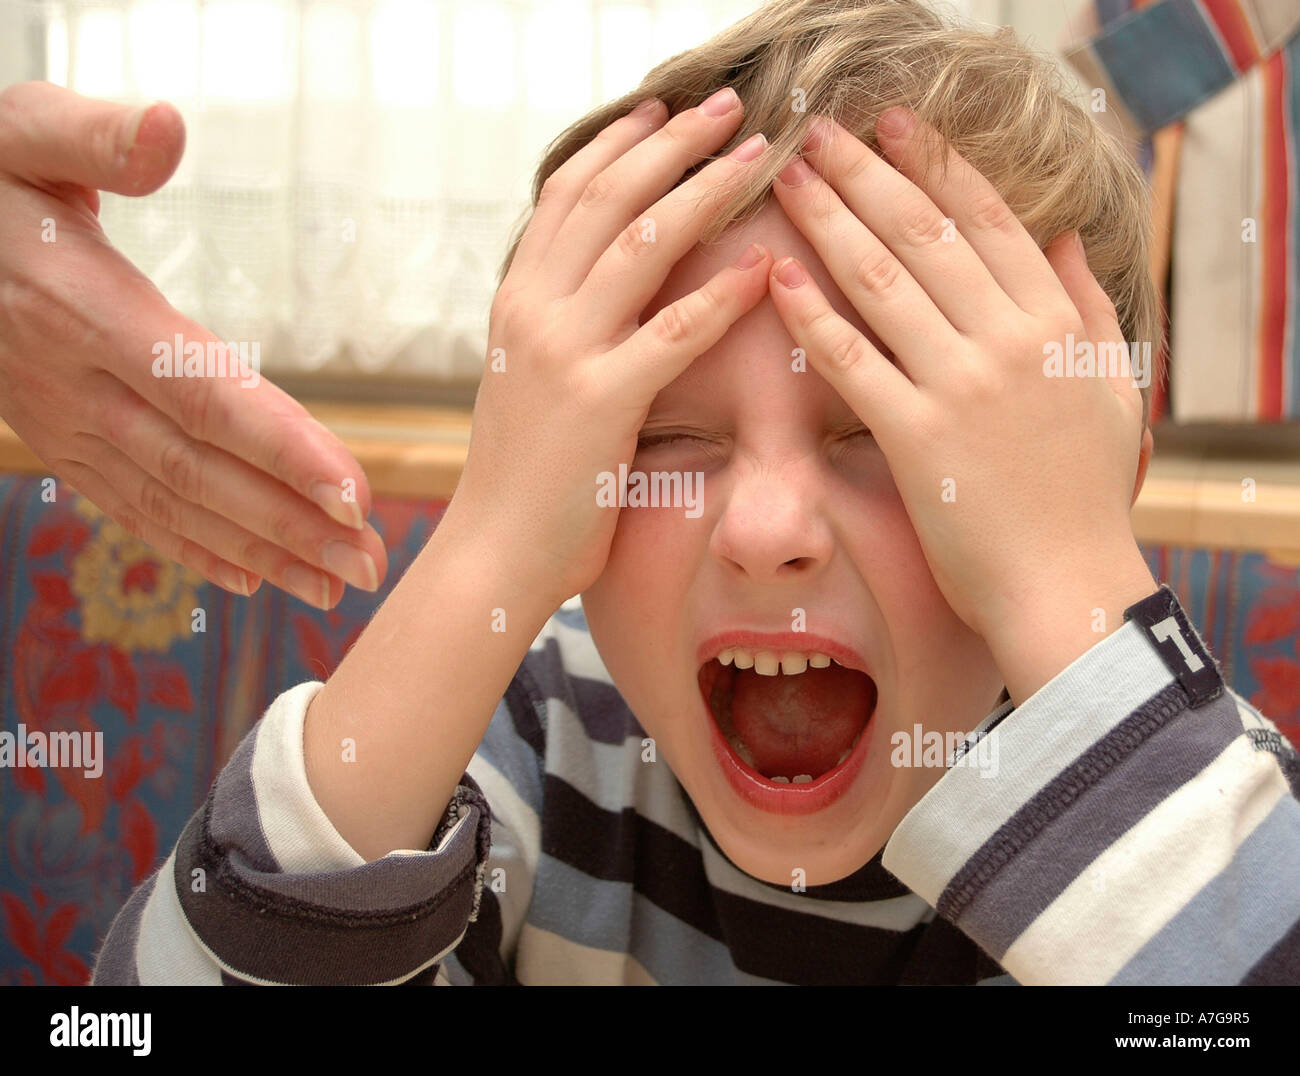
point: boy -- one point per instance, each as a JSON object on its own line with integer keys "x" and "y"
{"x": 719, "y": 767}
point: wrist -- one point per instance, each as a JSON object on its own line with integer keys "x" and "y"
{"x": 1048, "y": 624}
{"x": 475, "y": 545}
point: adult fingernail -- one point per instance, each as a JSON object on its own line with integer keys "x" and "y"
{"x": 350, "y": 564}
{"x": 790, "y": 274}
{"x": 311, "y": 586}
{"x": 646, "y": 107}
{"x": 720, "y": 103}
{"x": 234, "y": 579}
{"x": 330, "y": 498}
{"x": 131, "y": 131}
{"x": 1078, "y": 244}
{"x": 796, "y": 173}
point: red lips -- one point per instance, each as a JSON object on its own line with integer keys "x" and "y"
{"x": 802, "y": 722}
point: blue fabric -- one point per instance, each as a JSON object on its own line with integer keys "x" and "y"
{"x": 172, "y": 704}
{"x": 1164, "y": 60}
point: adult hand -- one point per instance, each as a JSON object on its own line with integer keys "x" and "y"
{"x": 238, "y": 483}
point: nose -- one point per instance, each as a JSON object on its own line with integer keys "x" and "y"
{"x": 773, "y": 527}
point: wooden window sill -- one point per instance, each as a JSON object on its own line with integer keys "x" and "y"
{"x": 1193, "y": 494}
{"x": 405, "y": 451}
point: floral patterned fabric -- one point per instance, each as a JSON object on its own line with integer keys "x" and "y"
{"x": 98, "y": 634}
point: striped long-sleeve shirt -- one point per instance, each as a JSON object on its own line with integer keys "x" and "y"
{"x": 1130, "y": 837}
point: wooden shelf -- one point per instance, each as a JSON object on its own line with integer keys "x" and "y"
{"x": 1194, "y": 493}
{"x": 1224, "y": 488}
{"x": 405, "y": 451}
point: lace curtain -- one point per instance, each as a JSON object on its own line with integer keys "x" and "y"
{"x": 353, "y": 169}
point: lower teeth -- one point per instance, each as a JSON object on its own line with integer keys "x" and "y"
{"x": 738, "y": 745}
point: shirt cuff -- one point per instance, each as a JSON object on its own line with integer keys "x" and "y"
{"x": 1015, "y": 752}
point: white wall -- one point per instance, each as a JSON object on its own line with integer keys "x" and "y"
{"x": 1038, "y": 23}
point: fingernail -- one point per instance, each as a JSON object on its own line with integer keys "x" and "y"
{"x": 720, "y": 103}
{"x": 749, "y": 149}
{"x": 796, "y": 173}
{"x": 350, "y": 564}
{"x": 895, "y": 122}
{"x": 790, "y": 274}
{"x": 330, "y": 498}
{"x": 819, "y": 130}
{"x": 131, "y": 132}
{"x": 1078, "y": 244}
{"x": 311, "y": 586}
{"x": 234, "y": 579}
{"x": 751, "y": 257}
{"x": 646, "y": 107}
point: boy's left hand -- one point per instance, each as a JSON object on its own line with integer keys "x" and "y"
{"x": 1018, "y": 484}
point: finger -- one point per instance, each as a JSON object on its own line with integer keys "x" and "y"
{"x": 239, "y": 411}
{"x": 670, "y": 341}
{"x": 565, "y": 186}
{"x": 623, "y": 189}
{"x": 975, "y": 206}
{"x": 877, "y": 284}
{"x": 633, "y": 269}
{"x": 1069, "y": 261}
{"x": 924, "y": 239}
{"x": 213, "y": 479}
{"x": 51, "y": 136}
{"x": 95, "y": 488}
{"x": 879, "y": 393}
{"x": 157, "y": 504}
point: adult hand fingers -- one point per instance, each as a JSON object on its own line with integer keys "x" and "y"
{"x": 158, "y": 504}
{"x": 200, "y": 474}
{"x": 51, "y": 136}
{"x": 95, "y": 488}
{"x": 237, "y": 410}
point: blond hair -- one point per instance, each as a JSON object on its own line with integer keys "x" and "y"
{"x": 1003, "y": 107}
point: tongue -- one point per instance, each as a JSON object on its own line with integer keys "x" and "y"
{"x": 800, "y": 724}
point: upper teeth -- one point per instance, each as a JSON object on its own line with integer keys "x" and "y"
{"x": 769, "y": 663}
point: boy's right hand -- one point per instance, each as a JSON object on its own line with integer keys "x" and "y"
{"x": 571, "y": 373}
{"x": 524, "y": 530}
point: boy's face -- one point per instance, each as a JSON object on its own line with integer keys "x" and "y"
{"x": 799, "y": 515}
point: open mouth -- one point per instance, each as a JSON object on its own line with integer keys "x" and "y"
{"x": 789, "y": 718}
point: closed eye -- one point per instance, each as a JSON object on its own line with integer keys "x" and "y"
{"x": 650, "y": 440}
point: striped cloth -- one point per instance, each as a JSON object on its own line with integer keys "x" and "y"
{"x": 1127, "y": 838}
{"x": 1228, "y": 71}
